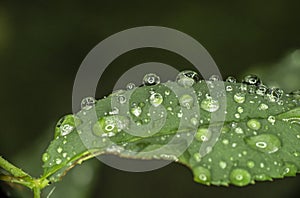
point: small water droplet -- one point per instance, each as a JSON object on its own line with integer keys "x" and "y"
{"x": 250, "y": 164}
{"x": 231, "y": 79}
{"x": 66, "y": 125}
{"x": 272, "y": 120}
{"x": 203, "y": 134}
{"x": 187, "y": 78}
{"x": 45, "y": 157}
{"x": 222, "y": 164}
{"x": 239, "y": 97}
{"x": 156, "y": 99}
{"x": 87, "y": 103}
{"x": 214, "y": 78}
{"x": 130, "y": 86}
{"x": 261, "y": 90}
{"x": 151, "y": 79}
{"x": 229, "y": 88}
{"x": 274, "y": 94}
{"x": 240, "y": 109}
{"x": 263, "y": 107}
{"x": 186, "y": 101}
{"x": 110, "y": 125}
{"x": 59, "y": 149}
{"x": 266, "y": 143}
{"x": 254, "y": 124}
{"x": 239, "y": 130}
{"x": 136, "y": 111}
{"x": 58, "y": 160}
{"x": 210, "y": 104}
{"x": 290, "y": 169}
{"x": 240, "y": 177}
{"x": 252, "y": 80}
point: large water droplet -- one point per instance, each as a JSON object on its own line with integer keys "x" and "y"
{"x": 254, "y": 124}
{"x": 66, "y": 125}
{"x": 202, "y": 175}
{"x": 187, "y": 78}
{"x": 186, "y": 101}
{"x": 87, "y": 103}
{"x": 274, "y": 94}
{"x": 239, "y": 97}
{"x": 252, "y": 80}
{"x": 156, "y": 99}
{"x": 210, "y": 104}
{"x": 240, "y": 177}
{"x": 151, "y": 79}
{"x": 266, "y": 143}
{"x": 203, "y": 134}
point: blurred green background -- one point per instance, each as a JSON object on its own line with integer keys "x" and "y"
{"x": 43, "y": 43}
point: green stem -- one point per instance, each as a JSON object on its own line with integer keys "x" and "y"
{"x": 37, "y": 192}
{"x": 15, "y": 171}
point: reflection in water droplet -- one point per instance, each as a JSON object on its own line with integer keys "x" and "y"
{"x": 267, "y": 143}
{"x": 254, "y": 124}
{"x": 240, "y": 177}
{"x": 87, "y": 103}
{"x": 210, "y": 104}
{"x": 239, "y": 97}
{"x": 151, "y": 79}
{"x": 156, "y": 99}
{"x": 186, "y": 101}
{"x": 187, "y": 78}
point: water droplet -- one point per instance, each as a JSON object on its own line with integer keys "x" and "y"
{"x": 229, "y": 88}
{"x": 130, "y": 86}
{"x": 203, "y": 134}
{"x": 151, "y": 79}
{"x": 210, "y": 104}
{"x": 66, "y": 125}
{"x": 290, "y": 169}
{"x": 239, "y": 130}
{"x": 272, "y": 120}
{"x": 237, "y": 115}
{"x": 214, "y": 78}
{"x": 121, "y": 99}
{"x": 201, "y": 175}
{"x": 263, "y": 106}
{"x": 250, "y": 164}
{"x": 110, "y": 125}
{"x": 240, "y": 109}
{"x": 274, "y": 94}
{"x": 222, "y": 164}
{"x": 266, "y": 143}
{"x": 187, "y": 78}
{"x": 197, "y": 157}
{"x": 45, "y": 157}
{"x": 58, "y": 161}
{"x": 186, "y": 101}
{"x": 254, "y": 124}
{"x": 59, "y": 149}
{"x": 87, "y": 103}
{"x": 136, "y": 111}
{"x": 231, "y": 79}
{"x": 261, "y": 90}
{"x": 252, "y": 80}
{"x": 194, "y": 121}
{"x": 239, "y": 97}
{"x": 156, "y": 99}
{"x": 240, "y": 177}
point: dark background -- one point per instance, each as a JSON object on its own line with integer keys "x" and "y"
{"x": 42, "y": 44}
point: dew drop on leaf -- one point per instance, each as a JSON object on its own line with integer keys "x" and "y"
{"x": 121, "y": 99}
{"x": 290, "y": 169}
{"x": 187, "y": 78}
{"x": 130, "y": 86}
{"x": 202, "y": 175}
{"x": 261, "y": 90}
{"x": 266, "y": 143}
{"x": 210, "y": 104}
{"x": 239, "y": 97}
{"x": 254, "y": 124}
{"x": 231, "y": 79}
{"x": 87, "y": 103}
{"x": 156, "y": 99}
{"x": 252, "y": 80}
{"x": 203, "y": 134}
{"x": 214, "y": 78}
{"x": 186, "y": 101}
{"x": 151, "y": 79}
{"x": 240, "y": 177}
{"x": 274, "y": 94}
{"x": 45, "y": 157}
{"x": 66, "y": 125}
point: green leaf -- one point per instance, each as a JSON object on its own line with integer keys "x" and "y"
{"x": 226, "y": 132}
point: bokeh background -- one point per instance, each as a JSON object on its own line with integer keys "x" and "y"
{"x": 42, "y": 44}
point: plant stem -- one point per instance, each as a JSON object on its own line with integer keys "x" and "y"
{"x": 15, "y": 171}
{"x": 36, "y": 192}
